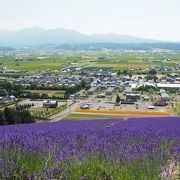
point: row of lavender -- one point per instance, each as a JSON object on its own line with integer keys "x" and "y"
{"x": 97, "y": 149}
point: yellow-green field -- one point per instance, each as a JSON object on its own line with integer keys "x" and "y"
{"x": 117, "y": 62}
{"x": 56, "y": 93}
{"x": 88, "y": 117}
{"x": 33, "y": 63}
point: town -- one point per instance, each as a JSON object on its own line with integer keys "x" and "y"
{"x": 88, "y": 83}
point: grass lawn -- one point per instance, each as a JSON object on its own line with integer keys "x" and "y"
{"x": 89, "y": 117}
{"x": 57, "y": 94}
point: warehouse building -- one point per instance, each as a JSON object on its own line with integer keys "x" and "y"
{"x": 50, "y": 104}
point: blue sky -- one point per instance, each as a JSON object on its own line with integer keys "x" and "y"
{"x": 156, "y": 19}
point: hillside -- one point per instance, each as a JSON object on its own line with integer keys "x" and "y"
{"x": 34, "y": 37}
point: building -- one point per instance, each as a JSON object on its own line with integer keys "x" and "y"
{"x": 8, "y": 100}
{"x": 2, "y": 100}
{"x": 99, "y": 96}
{"x": 160, "y": 102}
{"x": 91, "y": 91}
{"x": 109, "y": 91}
{"x": 168, "y": 85}
{"x": 164, "y": 96}
{"x": 12, "y": 98}
{"x": 133, "y": 96}
{"x": 85, "y": 106}
{"x": 128, "y": 89}
{"x": 50, "y": 104}
{"x": 127, "y": 101}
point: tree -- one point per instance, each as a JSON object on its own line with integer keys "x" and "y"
{"x": 9, "y": 115}
{"x": 151, "y": 77}
{"x": 15, "y": 116}
{"x": 117, "y": 99}
{"x": 8, "y": 87}
{"x": 151, "y": 90}
{"x": 152, "y": 72}
{"x": 1, "y": 118}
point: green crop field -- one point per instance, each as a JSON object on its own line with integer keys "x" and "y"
{"x": 117, "y": 62}
{"x": 130, "y": 60}
{"x": 33, "y": 63}
{"x": 88, "y": 117}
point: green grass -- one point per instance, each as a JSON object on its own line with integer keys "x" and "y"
{"x": 57, "y": 95}
{"x": 88, "y": 117}
{"x": 177, "y": 110}
{"x": 52, "y": 63}
{"x": 33, "y": 65}
{"x": 93, "y": 167}
{"x": 48, "y": 112}
{"x": 57, "y": 61}
{"x": 28, "y": 162}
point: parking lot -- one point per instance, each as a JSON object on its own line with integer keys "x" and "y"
{"x": 140, "y": 105}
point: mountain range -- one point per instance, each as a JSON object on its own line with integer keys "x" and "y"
{"x": 35, "y": 37}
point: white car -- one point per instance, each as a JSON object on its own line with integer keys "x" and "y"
{"x": 146, "y": 98}
{"x": 151, "y": 107}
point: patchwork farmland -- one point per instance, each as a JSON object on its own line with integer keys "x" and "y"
{"x": 90, "y": 114}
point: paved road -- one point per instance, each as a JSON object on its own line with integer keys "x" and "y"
{"x": 70, "y": 109}
{"x": 65, "y": 112}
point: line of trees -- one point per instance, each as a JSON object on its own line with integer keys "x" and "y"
{"x": 75, "y": 89}
{"x": 44, "y": 87}
{"x": 39, "y": 96}
{"x": 69, "y": 90}
{"x": 18, "y": 90}
{"x": 13, "y": 116}
{"x": 151, "y": 77}
{"x": 149, "y": 89}
{"x": 24, "y": 106}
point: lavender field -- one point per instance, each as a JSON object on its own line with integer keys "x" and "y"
{"x": 146, "y": 148}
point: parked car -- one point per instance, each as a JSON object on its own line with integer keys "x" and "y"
{"x": 151, "y": 107}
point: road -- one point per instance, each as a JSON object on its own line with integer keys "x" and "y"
{"x": 70, "y": 109}
{"x": 65, "y": 112}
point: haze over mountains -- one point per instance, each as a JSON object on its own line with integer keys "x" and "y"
{"x": 34, "y": 37}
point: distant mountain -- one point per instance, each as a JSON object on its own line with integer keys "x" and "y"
{"x": 115, "y": 38}
{"x": 34, "y": 37}
{"x": 117, "y": 46}
{"x": 6, "y": 49}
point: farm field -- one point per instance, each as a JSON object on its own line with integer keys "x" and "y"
{"x": 33, "y": 63}
{"x": 138, "y": 148}
{"x": 57, "y": 62}
{"x": 49, "y": 92}
{"x": 130, "y": 64}
{"x": 131, "y": 61}
{"x": 76, "y": 116}
{"x": 124, "y": 113}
